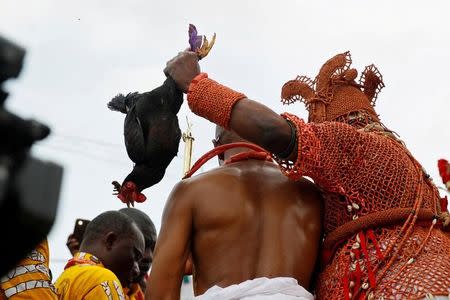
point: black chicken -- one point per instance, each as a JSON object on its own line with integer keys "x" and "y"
{"x": 152, "y": 136}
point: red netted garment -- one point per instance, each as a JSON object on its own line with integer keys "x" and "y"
{"x": 383, "y": 226}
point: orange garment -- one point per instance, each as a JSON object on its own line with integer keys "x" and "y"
{"x": 334, "y": 93}
{"x": 383, "y": 216}
{"x": 134, "y": 293}
{"x": 31, "y": 278}
{"x": 85, "y": 277}
{"x": 364, "y": 173}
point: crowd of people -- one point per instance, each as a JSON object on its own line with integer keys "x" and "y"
{"x": 371, "y": 224}
{"x": 111, "y": 261}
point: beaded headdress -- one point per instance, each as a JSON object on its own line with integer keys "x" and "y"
{"x": 334, "y": 94}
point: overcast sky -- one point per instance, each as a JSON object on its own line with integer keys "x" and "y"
{"x": 82, "y": 53}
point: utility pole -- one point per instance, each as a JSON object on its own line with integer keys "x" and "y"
{"x": 188, "y": 140}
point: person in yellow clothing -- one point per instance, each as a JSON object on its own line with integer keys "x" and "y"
{"x": 85, "y": 277}
{"x": 145, "y": 224}
{"x": 108, "y": 259}
{"x": 31, "y": 278}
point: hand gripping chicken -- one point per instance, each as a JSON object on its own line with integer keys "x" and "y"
{"x": 151, "y": 130}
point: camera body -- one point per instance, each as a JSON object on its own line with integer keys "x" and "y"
{"x": 29, "y": 187}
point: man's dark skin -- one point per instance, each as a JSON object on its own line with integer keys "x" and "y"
{"x": 148, "y": 230}
{"x": 240, "y": 221}
{"x": 118, "y": 251}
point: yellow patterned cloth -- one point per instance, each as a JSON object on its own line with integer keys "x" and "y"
{"x": 85, "y": 277}
{"x": 31, "y": 278}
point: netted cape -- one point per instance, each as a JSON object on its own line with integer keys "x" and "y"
{"x": 384, "y": 233}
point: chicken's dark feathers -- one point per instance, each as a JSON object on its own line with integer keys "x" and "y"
{"x": 123, "y": 103}
{"x": 151, "y": 130}
{"x": 145, "y": 176}
{"x": 134, "y": 136}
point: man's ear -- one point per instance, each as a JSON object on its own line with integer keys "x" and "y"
{"x": 110, "y": 240}
{"x": 221, "y": 156}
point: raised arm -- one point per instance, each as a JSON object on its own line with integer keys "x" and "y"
{"x": 251, "y": 120}
{"x": 172, "y": 248}
{"x": 259, "y": 124}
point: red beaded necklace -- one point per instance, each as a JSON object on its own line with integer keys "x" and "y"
{"x": 257, "y": 153}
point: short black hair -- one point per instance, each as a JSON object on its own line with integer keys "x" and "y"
{"x": 144, "y": 223}
{"x": 108, "y": 221}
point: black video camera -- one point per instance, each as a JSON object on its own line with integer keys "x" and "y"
{"x": 29, "y": 187}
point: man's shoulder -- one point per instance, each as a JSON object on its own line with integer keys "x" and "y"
{"x": 204, "y": 177}
{"x": 189, "y": 189}
{"x": 307, "y": 184}
{"x": 83, "y": 279}
{"x": 239, "y": 169}
{"x": 85, "y": 273}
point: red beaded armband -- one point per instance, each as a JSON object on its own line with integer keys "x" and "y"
{"x": 211, "y": 100}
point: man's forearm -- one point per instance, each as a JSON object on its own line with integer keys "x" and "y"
{"x": 232, "y": 110}
{"x": 163, "y": 291}
{"x": 258, "y": 124}
{"x": 228, "y": 108}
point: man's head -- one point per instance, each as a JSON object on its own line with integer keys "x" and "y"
{"x": 117, "y": 241}
{"x": 148, "y": 229}
{"x": 334, "y": 95}
{"x": 224, "y": 137}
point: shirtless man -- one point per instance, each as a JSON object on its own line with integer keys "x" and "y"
{"x": 244, "y": 222}
{"x": 386, "y": 229}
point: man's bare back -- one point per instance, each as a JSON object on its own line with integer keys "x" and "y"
{"x": 252, "y": 222}
{"x": 241, "y": 221}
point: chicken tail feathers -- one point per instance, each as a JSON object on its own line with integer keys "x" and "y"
{"x": 123, "y": 103}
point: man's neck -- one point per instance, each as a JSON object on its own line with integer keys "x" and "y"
{"x": 229, "y": 153}
{"x": 92, "y": 251}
